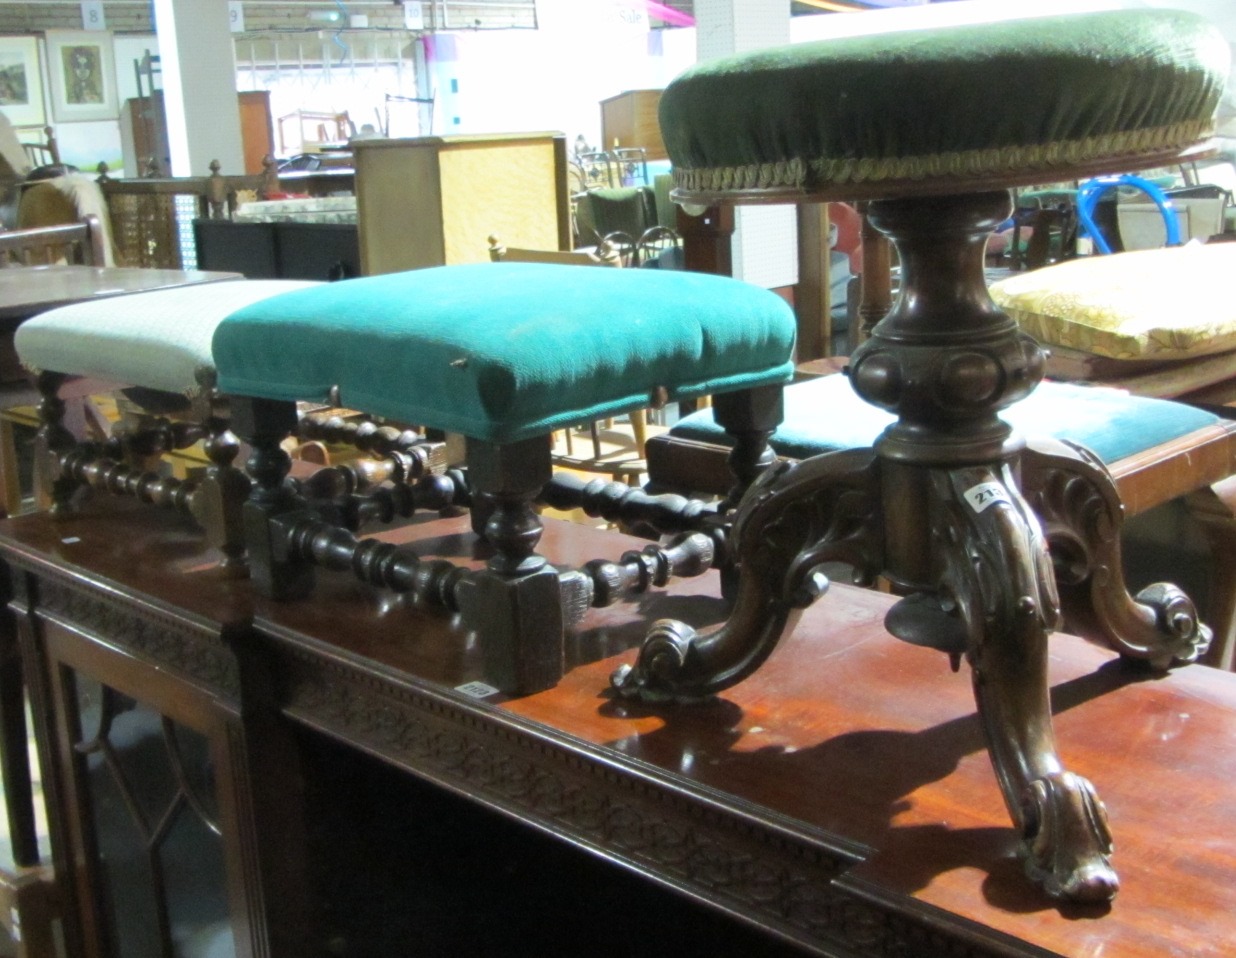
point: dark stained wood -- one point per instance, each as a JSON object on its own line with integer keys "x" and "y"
{"x": 706, "y": 239}
{"x": 191, "y": 666}
{"x": 848, "y": 753}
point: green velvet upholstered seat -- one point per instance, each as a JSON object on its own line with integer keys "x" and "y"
{"x": 947, "y": 108}
{"x": 504, "y": 351}
{"x": 824, "y": 415}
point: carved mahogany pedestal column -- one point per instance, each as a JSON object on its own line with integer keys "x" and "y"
{"x": 937, "y": 509}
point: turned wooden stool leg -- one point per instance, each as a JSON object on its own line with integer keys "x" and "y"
{"x": 52, "y": 487}
{"x": 515, "y": 603}
{"x": 750, "y": 416}
{"x": 219, "y": 499}
{"x": 264, "y": 424}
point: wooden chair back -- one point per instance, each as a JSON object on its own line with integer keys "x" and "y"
{"x": 146, "y": 213}
{"x": 77, "y": 243}
{"x": 40, "y": 145}
{"x": 604, "y": 256}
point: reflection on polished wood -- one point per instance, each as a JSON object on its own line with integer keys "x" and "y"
{"x": 34, "y": 289}
{"x": 839, "y": 796}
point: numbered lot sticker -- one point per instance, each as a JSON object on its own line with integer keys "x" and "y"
{"x": 985, "y": 494}
{"x": 478, "y": 690}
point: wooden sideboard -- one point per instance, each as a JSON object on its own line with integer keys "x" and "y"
{"x": 839, "y": 802}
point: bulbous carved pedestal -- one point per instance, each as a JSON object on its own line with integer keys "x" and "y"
{"x": 944, "y": 507}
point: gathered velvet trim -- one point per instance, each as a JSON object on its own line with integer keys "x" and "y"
{"x": 799, "y": 173}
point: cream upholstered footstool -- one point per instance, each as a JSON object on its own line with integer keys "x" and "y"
{"x": 158, "y": 341}
{"x": 502, "y": 354}
{"x": 932, "y": 126}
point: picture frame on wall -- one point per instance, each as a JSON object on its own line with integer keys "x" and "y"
{"x": 83, "y": 75}
{"x": 21, "y": 82}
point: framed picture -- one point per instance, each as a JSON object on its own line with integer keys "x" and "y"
{"x": 83, "y": 75}
{"x": 21, "y": 81}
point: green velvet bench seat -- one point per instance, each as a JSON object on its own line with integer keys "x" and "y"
{"x": 507, "y": 351}
{"x": 502, "y": 354}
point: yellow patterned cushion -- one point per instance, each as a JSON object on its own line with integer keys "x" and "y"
{"x": 1150, "y": 304}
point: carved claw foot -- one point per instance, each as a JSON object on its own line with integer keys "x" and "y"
{"x": 1076, "y": 499}
{"x": 664, "y": 659}
{"x": 793, "y": 519}
{"x": 1183, "y": 636}
{"x": 1066, "y": 841}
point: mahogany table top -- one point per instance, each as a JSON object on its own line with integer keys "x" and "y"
{"x": 845, "y": 738}
{"x": 27, "y": 290}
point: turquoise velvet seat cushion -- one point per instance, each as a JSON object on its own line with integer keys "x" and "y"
{"x": 1009, "y": 99}
{"x": 825, "y": 414}
{"x": 504, "y": 351}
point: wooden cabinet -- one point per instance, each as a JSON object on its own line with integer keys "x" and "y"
{"x": 433, "y": 201}
{"x": 256, "y": 130}
{"x": 143, "y": 133}
{"x": 838, "y": 802}
{"x": 630, "y": 119}
{"x": 172, "y": 786}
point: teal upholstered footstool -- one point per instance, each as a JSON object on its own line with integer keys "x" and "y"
{"x": 825, "y": 415}
{"x": 503, "y": 354}
{"x": 158, "y": 342}
{"x": 932, "y": 126}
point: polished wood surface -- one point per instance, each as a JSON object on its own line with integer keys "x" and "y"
{"x": 30, "y": 290}
{"x": 848, "y": 754}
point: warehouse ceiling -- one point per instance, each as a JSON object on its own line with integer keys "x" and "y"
{"x": 435, "y": 14}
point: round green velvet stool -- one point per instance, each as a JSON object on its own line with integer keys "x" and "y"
{"x": 932, "y": 127}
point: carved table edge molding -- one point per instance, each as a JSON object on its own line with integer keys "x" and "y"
{"x": 190, "y": 647}
{"x": 754, "y": 864}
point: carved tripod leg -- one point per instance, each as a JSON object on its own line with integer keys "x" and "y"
{"x": 1077, "y": 500}
{"x": 794, "y": 518}
{"x": 997, "y": 572}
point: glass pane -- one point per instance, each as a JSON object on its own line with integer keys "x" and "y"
{"x": 127, "y": 888}
{"x": 154, "y": 809}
